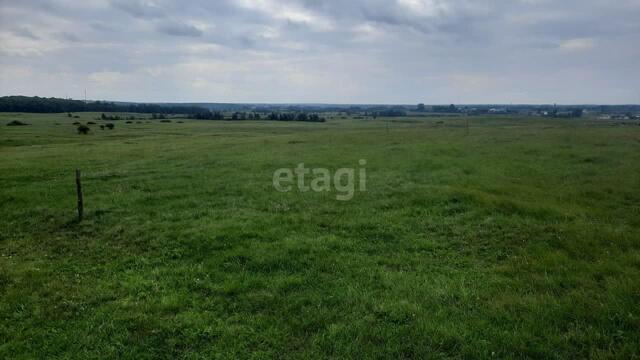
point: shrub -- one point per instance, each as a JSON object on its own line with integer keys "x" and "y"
{"x": 129, "y": 122}
{"x": 165, "y": 121}
{"x": 101, "y": 127}
{"x": 76, "y": 123}
{"x": 17, "y": 123}
{"x": 109, "y": 126}
{"x": 83, "y": 129}
{"x": 91, "y": 123}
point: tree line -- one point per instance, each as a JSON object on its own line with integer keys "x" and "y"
{"x": 37, "y": 104}
{"x": 273, "y": 116}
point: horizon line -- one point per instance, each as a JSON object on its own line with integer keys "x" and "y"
{"x": 334, "y": 104}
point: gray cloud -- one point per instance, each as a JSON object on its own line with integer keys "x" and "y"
{"x": 69, "y": 36}
{"x": 25, "y": 32}
{"x": 178, "y": 29}
{"x": 390, "y": 51}
{"x": 138, "y": 8}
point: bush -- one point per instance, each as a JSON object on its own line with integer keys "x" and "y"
{"x": 109, "y": 126}
{"x": 77, "y": 123}
{"x": 91, "y": 123}
{"x": 129, "y": 122}
{"x": 16, "y": 123}
{"x": 101, "y": 127}
{"x": 83, "y": 129}
{"x": 165, "y": 121}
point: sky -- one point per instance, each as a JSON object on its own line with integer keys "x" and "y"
{"x": 332, "y": 51}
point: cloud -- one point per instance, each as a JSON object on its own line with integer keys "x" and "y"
{"x": 106, "y": 78}
{"x": 364, "y": 51}
{"x": 25, "y": 32}
{"x": 138, "y": 8}
{"x": 69, "y": 36}
{"x": 577, "y": 44}
{"x": 178, "y": 29}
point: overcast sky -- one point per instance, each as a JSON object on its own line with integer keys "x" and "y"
{"x": 332, "y": 51}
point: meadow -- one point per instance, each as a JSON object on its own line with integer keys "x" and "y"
{"x": 515, "y": 238}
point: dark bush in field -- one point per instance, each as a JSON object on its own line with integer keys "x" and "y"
{"x": 109, "y": 126}
{"x": 76, "y": 123}
{"x": 101, "y": 127}
{"x": 91, "y": 123}
{"x": 180, "y": 122}
{"x": 165, "y": 121}
{"x": 83, "y": 129}
{"x": 76, "y": 117}
{"x": 16, "y": 123}
{"x": 69, "y": 115}
{"x": 129, "y": 122}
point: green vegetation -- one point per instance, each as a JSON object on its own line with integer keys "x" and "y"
{"x": 520, "y": 239}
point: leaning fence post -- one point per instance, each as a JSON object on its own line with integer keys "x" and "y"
{"x": 79, "y": 191}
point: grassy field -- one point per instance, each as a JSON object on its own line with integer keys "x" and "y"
{"x": 518, "y": 240}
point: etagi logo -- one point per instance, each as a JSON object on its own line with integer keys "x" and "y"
{"x": 344, "y": 180}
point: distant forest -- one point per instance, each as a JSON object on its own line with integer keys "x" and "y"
{"x": 55, "y": 105}
{"x": 159, "y": 111}
{"x": 297, "y": 112}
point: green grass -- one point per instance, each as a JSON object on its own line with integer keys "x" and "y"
{"x": 520, "y": 240}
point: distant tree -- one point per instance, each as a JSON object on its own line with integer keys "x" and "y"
{"x": 16, "y": 123}
{"x": 83, "y": 129}
{"x": 421, "y": 107}
{"x": 445, "y": 109}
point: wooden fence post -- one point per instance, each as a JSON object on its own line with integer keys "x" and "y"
{"x": 79, "y": 191}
